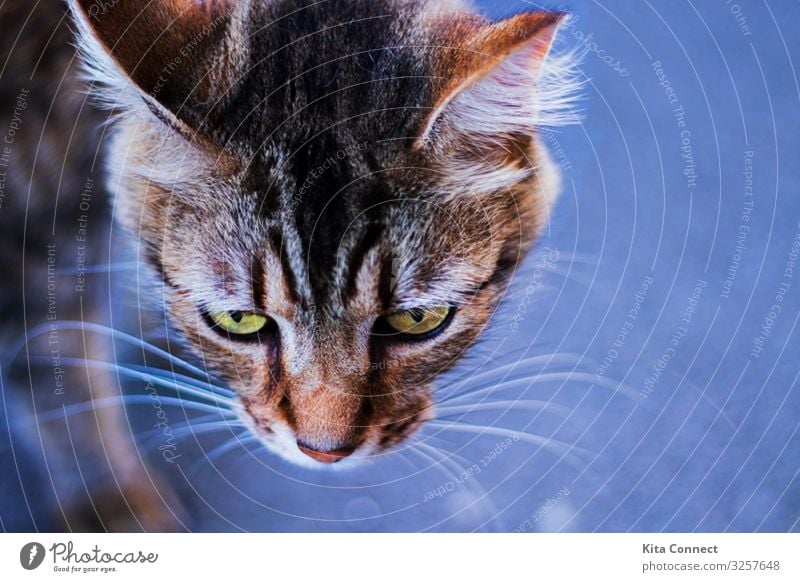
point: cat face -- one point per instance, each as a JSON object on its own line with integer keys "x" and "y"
{"x": 334, "y": 195}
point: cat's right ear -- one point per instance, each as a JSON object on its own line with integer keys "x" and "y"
{"x": 177, "y": 57}
{"x": 498, "y": 83}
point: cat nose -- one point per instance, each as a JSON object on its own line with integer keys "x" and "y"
{"x": 325, "y": 456}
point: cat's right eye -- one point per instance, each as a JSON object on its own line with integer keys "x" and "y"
{"x": 238, "y": 324}
{"x": 416, "y": 324}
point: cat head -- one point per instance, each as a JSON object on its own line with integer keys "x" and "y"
{"x": 334, "y": 194}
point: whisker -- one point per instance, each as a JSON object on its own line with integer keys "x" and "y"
{"x": 230, "y": 445}
{"x": 192, "y": 421}
{"x": 553, "y": 445}
{"x": 446, "y": 459}
{"x": 129, "y": 399}
{"x": 183, "y": 378}
{"x": 198, "y": 422}
{"x": 482, "y": 500}
{"x": 449, "y": 457}
{"x": 577, "y": 377}
{"x": 446, "y": 451}
{"x": 481, "y": 357}
{"x": 402, "y": 453}
{"x": 83, "y": 326}
{"x": 507, "y": 405}
{"x": 225, "y": 447}
{"x": 174, "y": 385}
{"x": 593, "y": 261}
{"x": 567, "y": 275}
{"x": 454, "y": 458}
{"x": 545, "y": 359}
{"x": 249, "y": 451}
{"x": 434, "y": 462}
{"x": 94, "y": 269}
{"x": 441, "y": 456}
{"x": 145, "y": 377}
{"x": 194, "y": 430}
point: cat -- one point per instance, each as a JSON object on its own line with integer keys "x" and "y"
{"x": 333, "y": 196}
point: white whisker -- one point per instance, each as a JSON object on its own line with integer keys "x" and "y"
{"x": 544, "y": 360}
{"x": 434, "y": 463}
{"x": 72, "y": 409}
{"x": 564, "y": 377}
{"x": 548, "y": 443}
{"x": 145, "y": 377}
{"x": 191, "y": 428}
{"x": 84, "y": 326}
{"x": 232, "y": 444}
{"x": 507, "y": 405}
{"x": 183, "y": 379}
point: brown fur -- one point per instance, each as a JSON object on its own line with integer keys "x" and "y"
{"x": 388, "y": 226}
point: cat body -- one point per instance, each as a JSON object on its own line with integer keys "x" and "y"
{"x": 332, "y": 196}
{"x": 55, "y": 229}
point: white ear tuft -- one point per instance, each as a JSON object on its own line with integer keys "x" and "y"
{"x": 524, "y": 89}
{"x": 165, "y": 56}
{"x": 115, "y": 89}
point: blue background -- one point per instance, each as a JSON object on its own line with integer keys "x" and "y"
{"x": 695, "y": 434}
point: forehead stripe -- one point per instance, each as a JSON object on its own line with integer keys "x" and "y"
{"x": 289, "y": 279}
{"x": 356, "y": 257}
{"x": 258, "y": 277}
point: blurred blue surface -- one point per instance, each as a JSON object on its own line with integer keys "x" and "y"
{"x": 660, "y": 272}
{"x": 714, "y": 445}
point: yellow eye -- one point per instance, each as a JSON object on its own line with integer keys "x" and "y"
{"x": 239, "y": 322}
{"x": 419, "y": 321}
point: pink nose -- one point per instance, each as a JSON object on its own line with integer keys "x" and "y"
{"x": 325, "y": 456}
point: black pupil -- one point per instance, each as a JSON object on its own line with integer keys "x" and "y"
{"x": 237, "y": 316}
{"x": 417, "y": 315}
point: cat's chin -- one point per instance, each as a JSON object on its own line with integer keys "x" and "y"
{"x": 358, "y": 459}
{"x": 281, "y": 441}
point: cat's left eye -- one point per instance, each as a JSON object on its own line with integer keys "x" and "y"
{"x": 417, "y": 323}
{"x": 239, "y": 323}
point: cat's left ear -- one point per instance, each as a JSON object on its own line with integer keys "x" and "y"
{"x": 176, "y": 56}
{"x": 499, "y": 86}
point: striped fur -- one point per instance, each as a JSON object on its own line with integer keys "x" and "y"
{"x": 329, "y": 163}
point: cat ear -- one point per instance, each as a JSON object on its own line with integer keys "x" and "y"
{"x": 500, "y": 87}
{"x": 172, "y": 54}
